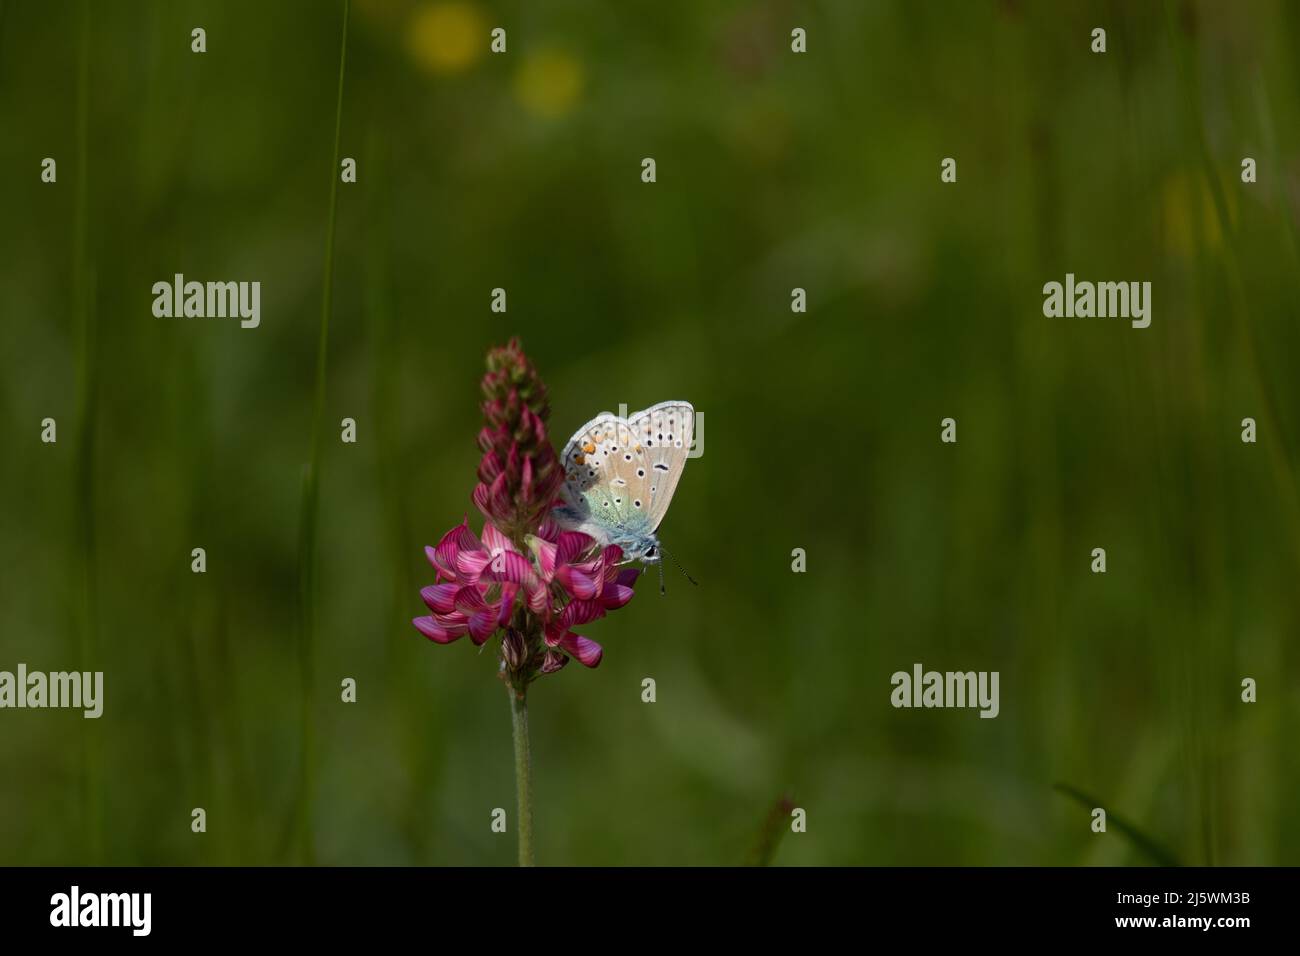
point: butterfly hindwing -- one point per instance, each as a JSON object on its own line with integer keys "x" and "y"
{"x": 594, "y": 484}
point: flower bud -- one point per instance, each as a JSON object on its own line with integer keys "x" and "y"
{"x": 514, "y": 649}
{"x": 553, "y": 662}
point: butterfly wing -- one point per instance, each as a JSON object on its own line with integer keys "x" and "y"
{"x": 664, "y": 432}
{"x": 621, "y": 473}
{"x": 594, "y": 488}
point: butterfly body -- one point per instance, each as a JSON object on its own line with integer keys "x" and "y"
{"x": 620, "y": 475}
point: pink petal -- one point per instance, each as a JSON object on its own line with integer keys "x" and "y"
{"x": 613, "y": 554}
{"x": 580, "y": 585}
{"x": 577, "y": 613}
{"x": 495, "y": 541}
{"x": 500, "y": 495}
{"x": 482, "y": 625}
{"x": 556, "y": 627}
{"x": 571, "y": 545}
{"x": 511, "y": 567}
{"x": 615, "y": 596}
{"x": 545, "y": 552}
{"x": 584, "y": 649}
{"x": 539, "y": 599}
{"x": 435, "y": 632}
{"x": 440, "y": 597}
{"x": 526, "y": 480}
{"x": 470, "y": 564}
{"x": 470, "y": 600}
{"x": 455, "y": 621}
{"x": 453, "y": 543}
{"x": 482, "y": 501}
{"x": 489, "y": 468}
{"x": 594, "y": 568}
{"x": 574, "y": 613}
{"x": 508, "y": 592}
{"x": 618, "y": 586}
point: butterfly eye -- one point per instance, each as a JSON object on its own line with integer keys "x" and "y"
{"x": 650, "y": 553}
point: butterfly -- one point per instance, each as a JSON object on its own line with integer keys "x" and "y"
{"x": 620, "y": 475}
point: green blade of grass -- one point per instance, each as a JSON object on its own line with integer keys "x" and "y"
{"x": 1147, "y": 844}
{"x": 83, "y": 281}
{"x": 311, "y": 489}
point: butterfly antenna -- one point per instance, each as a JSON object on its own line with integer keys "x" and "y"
{"x": 662, "y": 589}
{"x": 677, "y": 564}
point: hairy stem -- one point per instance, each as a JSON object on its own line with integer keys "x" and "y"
{"x": 523, "y": 774}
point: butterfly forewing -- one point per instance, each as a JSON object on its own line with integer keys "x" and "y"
{"x": 664, "y": 432}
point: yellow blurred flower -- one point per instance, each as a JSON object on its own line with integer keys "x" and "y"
{"x": 549, "y": 82}
{"x": 447, "y": 37}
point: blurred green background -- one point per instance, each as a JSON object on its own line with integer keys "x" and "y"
{"x": 775, "y": 171}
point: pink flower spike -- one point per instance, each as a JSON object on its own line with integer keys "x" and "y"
{"x": 525, "y": 576}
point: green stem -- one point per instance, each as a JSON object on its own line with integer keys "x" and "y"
{"x": 523, "y": 775}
